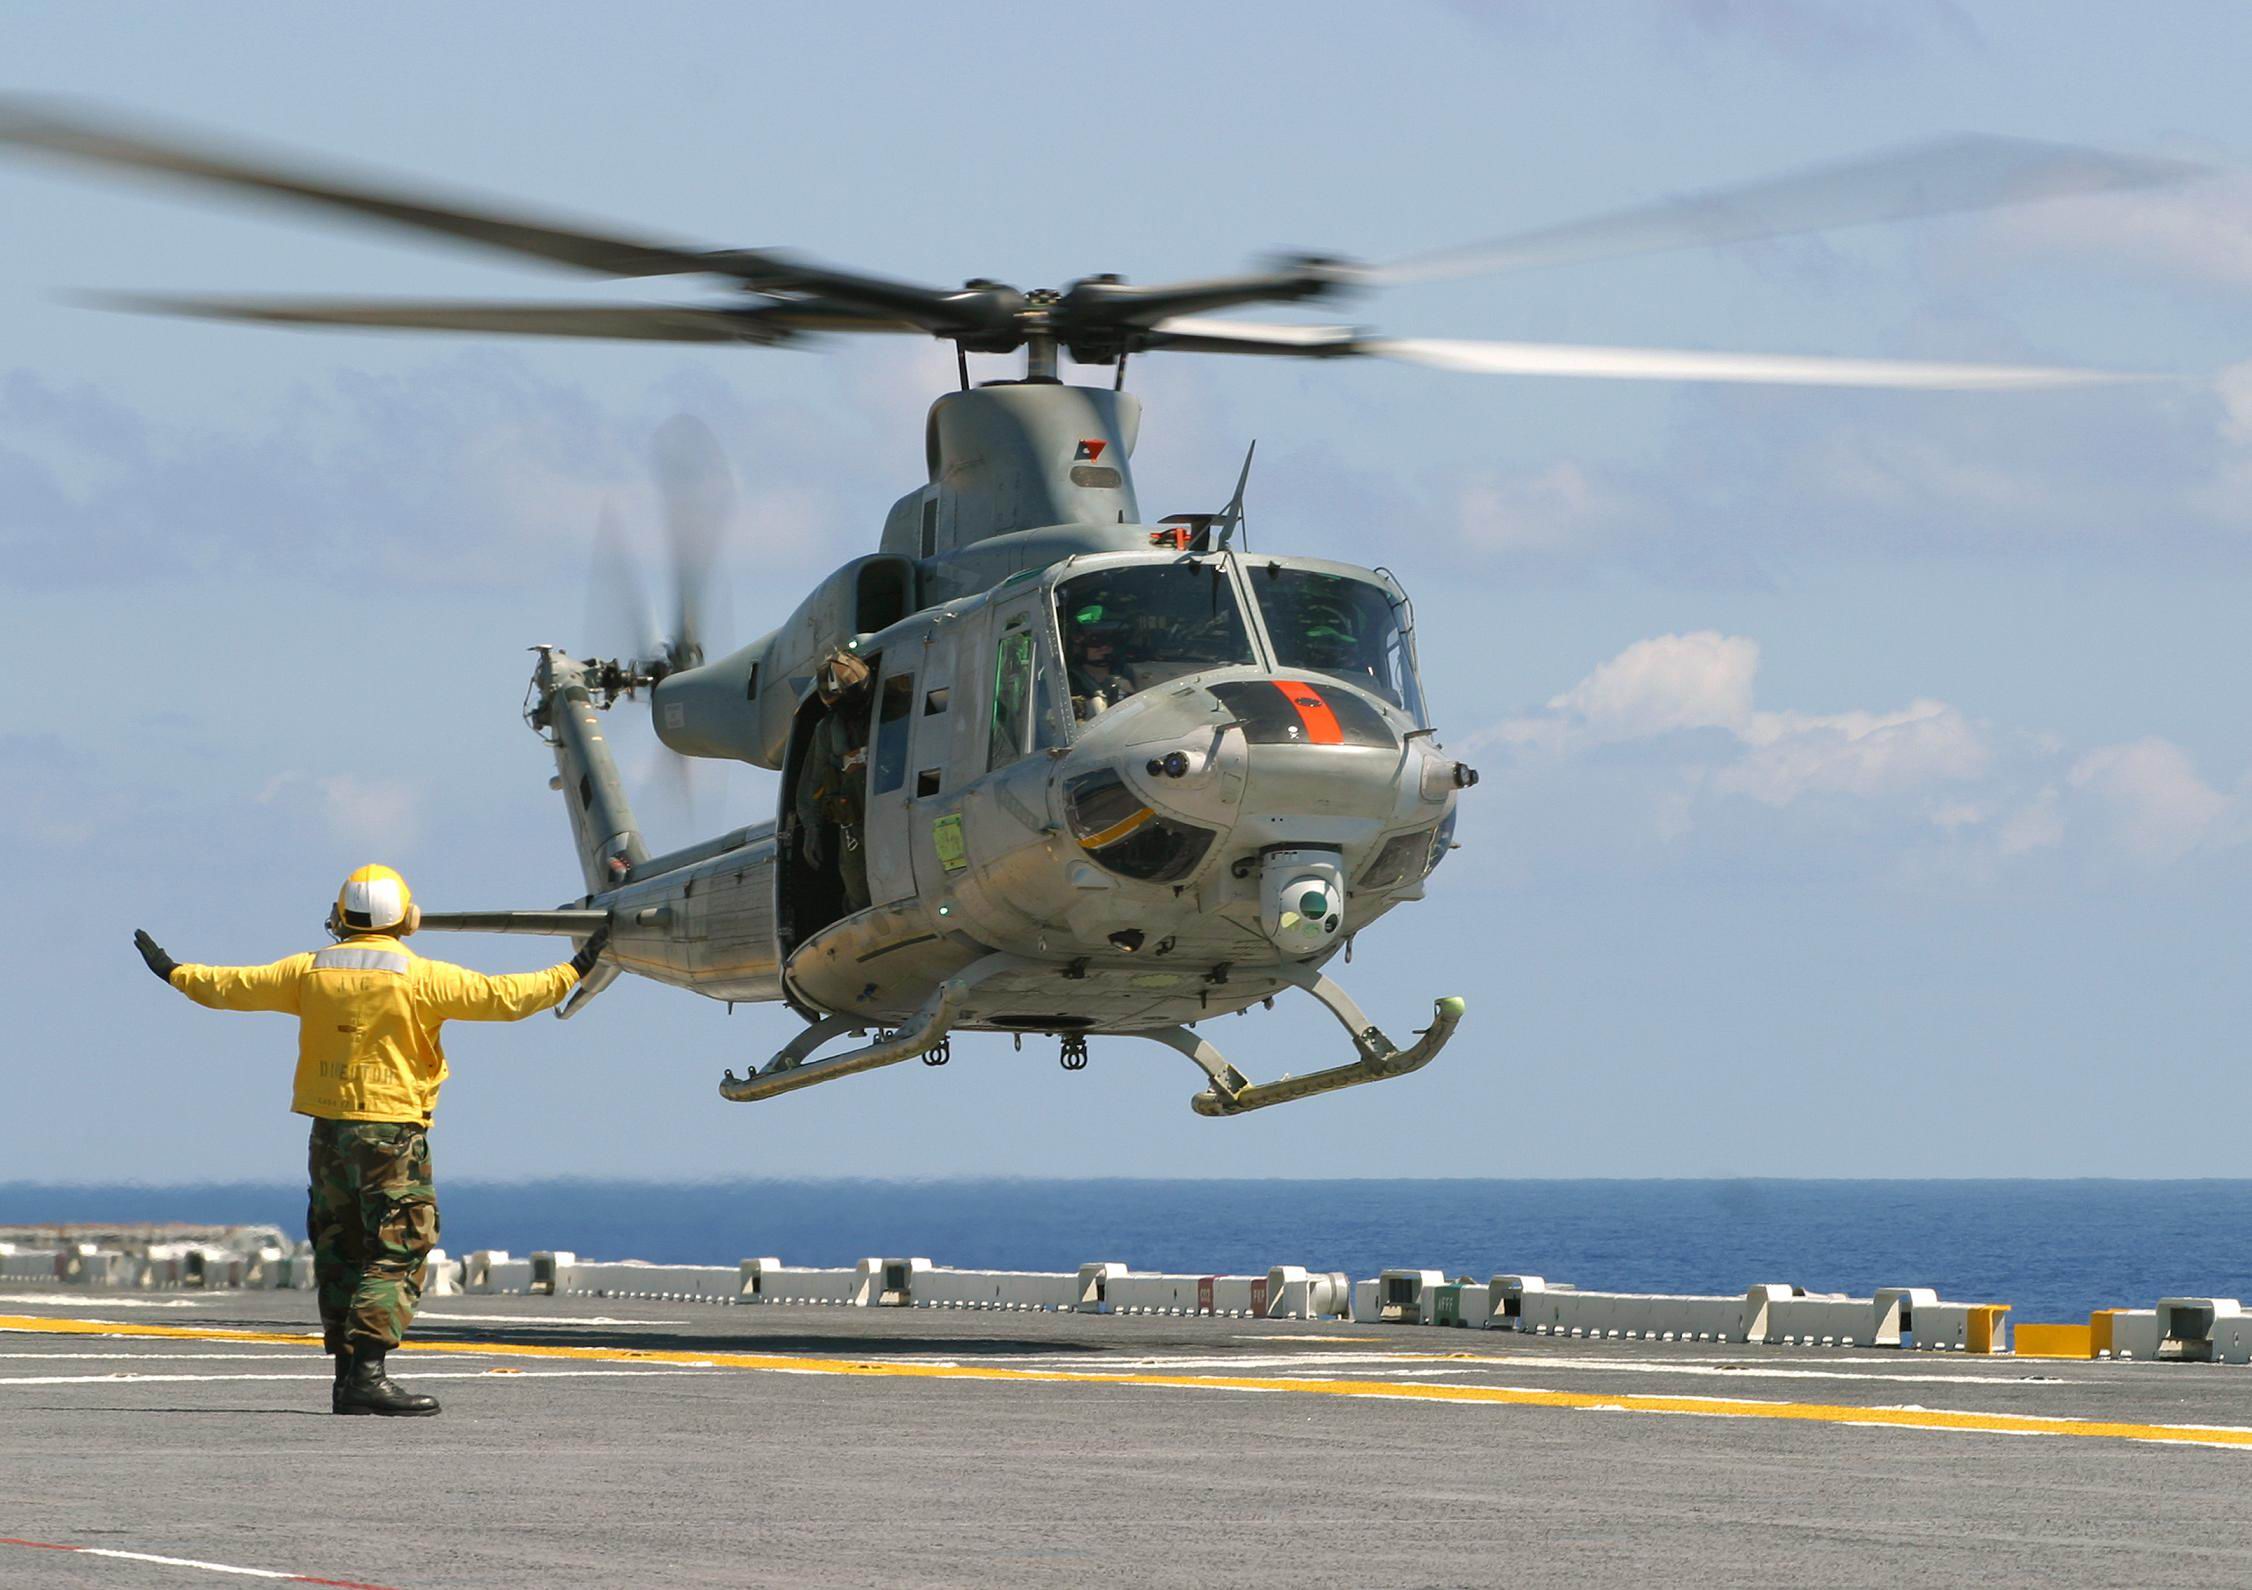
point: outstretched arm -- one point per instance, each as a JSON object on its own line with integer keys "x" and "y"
{"x": 227, "y": 987}
{"x": 454, "y": 993}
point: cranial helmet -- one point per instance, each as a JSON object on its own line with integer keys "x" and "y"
{"x": 1095, "y": 623}
{"x": 374, "y": 900}
{"x": 841, "y": 671}
{"x": 1330, "y": 630}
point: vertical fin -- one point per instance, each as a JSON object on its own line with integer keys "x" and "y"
{"x": 602, "y": 822}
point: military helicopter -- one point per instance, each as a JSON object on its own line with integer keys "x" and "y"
{"x": 1115, "y": 776}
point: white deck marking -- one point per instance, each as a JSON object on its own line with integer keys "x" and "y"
{"x": 279, "y": 1355}
{"x": 127, "y": 1378}
{"x": 180, "y": 1562}
{"x": 106, "y": 1300}
{"x": 1442, "y": 1363}
{"x": 539, "y": 1319}
{"x": 186, "y": 1562}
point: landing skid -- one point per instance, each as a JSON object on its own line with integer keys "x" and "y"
{"x": 924, "y": 1032}
{"x": 1231, "y": 1093}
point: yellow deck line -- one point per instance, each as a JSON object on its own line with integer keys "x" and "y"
{"x": 1505, "y": 1396}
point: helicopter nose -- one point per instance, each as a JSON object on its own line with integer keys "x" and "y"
{"x": 1278, "y": 760}
{"x": 1302, "y": 809}
{"x": 1304, "y": 712}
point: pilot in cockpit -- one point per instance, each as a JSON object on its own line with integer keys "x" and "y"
{"x": 1099, "y": 677}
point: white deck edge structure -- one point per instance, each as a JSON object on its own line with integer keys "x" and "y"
{"x": 1768, "y": 1313}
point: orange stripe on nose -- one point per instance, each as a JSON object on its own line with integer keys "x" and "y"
{"x": 1313, "y": 712}
{"x": 1118, "y": 830}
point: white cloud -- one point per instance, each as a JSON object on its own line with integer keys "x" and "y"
{"x": 2227, "y": 494}
{"x": 1701, "y": 680}
{"x": 1705, "y": 680}
{"x": 2036, "y": 825}
{"x": 2200, "y": 231}
{"x": 383, "y": 814}
{"x": 1866, "y": 754}
{"x": 2157, "y": 806}
{"x": 1553, "y": 509}
{"x": 1923, "y": 775}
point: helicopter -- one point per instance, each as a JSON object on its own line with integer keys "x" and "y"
{"x": 1112, "y": 776}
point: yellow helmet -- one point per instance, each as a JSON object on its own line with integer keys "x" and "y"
{"x": 374, "y": 899}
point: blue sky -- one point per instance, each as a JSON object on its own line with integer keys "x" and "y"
{"x": 1868, "y": 778}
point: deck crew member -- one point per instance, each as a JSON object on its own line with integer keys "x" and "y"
{"x": 368, "y": 1071}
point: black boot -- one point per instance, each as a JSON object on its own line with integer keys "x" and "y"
{"x": 367, "y": 1389}
{"x": 343, "y": 1368}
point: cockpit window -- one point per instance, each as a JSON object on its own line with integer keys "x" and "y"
{"x": 1347, "y": 628}
{"x": 1131, "y": 628}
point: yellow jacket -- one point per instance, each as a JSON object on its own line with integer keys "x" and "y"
{"x": 368, "y": 1012}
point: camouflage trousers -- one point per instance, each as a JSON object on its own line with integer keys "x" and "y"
{"x": 372, "y": 1219}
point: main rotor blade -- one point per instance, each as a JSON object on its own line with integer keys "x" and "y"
{"x": 1200, "y": 334}
{"x": 637, "y": 322}
{"x": 1971, "y": 171}
{"x": 42, "y": 128}
{"x": 30, "y": 125}
{"x": 1771, "y": 369}
{"x": 762, "y": 326}
{"x": 1209, "y": 334}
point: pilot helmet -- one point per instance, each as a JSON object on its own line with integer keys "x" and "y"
{"x": 1330, "y": 631}
{"x": 1093, "y": 623}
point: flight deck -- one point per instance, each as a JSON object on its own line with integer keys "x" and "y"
{"x": 171, "y": 1437}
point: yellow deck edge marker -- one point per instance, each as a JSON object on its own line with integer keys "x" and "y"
{"x": 1940, "y": 1419}
{"x": 2054, "y": 1341}
{"x": 2099, "y": 1332}
{"x": 1985, "y": 1329}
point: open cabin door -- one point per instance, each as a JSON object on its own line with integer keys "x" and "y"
{"x": 807, "y": 897}
{"x": 891, "y": 786}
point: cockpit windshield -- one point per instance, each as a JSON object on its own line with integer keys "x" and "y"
{"x": 1334, "y": 624}
{"x": 1140, "y": 625}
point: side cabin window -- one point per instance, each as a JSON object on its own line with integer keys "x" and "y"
{"x": 1140, "y": 625}
{"x": 895, "y": 713}
{"x": 1012, "y": 698}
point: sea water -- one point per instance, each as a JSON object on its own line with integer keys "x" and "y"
{"x": 2052, "y": 1249}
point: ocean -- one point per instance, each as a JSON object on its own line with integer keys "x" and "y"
{"x": 2052, "y": 1249}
